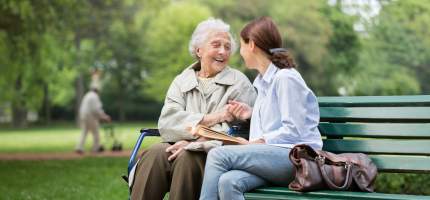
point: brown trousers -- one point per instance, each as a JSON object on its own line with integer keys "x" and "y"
{"x": 155, "y": 175}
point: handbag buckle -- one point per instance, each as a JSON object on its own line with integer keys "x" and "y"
{"x": 320, "y": 159}
{"x": 347, "y": 165}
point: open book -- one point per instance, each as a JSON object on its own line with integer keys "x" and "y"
{"x": 206, "y": 132}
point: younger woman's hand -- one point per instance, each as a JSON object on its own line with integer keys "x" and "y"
{"x": 239, "y": 110}
{"x": 242, "y": 140}
{"x": 258, "y": 141}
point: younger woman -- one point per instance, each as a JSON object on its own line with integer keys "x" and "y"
{"x": 285, "y": 114}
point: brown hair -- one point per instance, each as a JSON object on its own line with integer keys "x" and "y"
{"x": 266, "y": 36}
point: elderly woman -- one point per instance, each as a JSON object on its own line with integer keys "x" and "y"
{"x": 196, "y": 96}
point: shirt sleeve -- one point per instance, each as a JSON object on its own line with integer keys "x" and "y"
{"x": 289, "y": 96}
{"x": 174, "y": 119}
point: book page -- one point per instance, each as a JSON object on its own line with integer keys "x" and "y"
{"x": 206, "y": 132}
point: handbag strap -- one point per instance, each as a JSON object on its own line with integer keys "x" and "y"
{"x": 320, "y": 160}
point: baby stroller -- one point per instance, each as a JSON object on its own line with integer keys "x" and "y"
{"x": 110, "y": 137}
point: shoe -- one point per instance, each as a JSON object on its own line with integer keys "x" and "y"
{"x": 78, "y": 151}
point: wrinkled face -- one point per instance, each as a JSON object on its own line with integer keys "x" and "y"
{"x": 215, "y": 52}
{"x": 246, "y": 53}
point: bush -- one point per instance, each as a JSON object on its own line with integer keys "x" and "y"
{"x": 403, "y": 183}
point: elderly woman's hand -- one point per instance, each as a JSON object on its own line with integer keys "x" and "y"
{"x": 216, "y": 118}
{"x": 176, "y": 149}
{"x": 225, "y": 115}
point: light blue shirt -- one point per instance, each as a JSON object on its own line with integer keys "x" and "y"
{"x": 286, "y": 111}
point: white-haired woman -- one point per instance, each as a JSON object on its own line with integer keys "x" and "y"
{"x": 198, "y": 95}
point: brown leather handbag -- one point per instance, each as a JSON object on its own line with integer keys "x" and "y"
{"x": 316, "y": 169}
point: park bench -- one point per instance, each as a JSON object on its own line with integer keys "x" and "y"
{"x": 393, "y": 130}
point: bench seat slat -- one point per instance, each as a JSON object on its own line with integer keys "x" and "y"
{"x": 378, "y": 146}
{"x": 376, "y": 130}
{"x": 378, "y": 101}
{"x": 375, "y": 114}
{"x": 259, "y": 196}
{"x": 285, "y": 193}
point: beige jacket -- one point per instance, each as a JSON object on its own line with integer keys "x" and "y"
{"x": 185, "y": 104}
{"x": 91, "y": 107}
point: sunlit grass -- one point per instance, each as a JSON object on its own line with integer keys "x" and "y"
{"x": 88, "y": 178}
{"x": 63, "y": 138}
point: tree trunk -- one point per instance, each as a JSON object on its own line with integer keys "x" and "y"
{"x": 79, "y": 84}
{"x": 79, "y": 91}
{"x": 19, "y": 111}
{"x": 19, "y": 116}
{"x": 46, "y": 104}
{"x": 122, "y": 99}
{"x": 121, "y": 107}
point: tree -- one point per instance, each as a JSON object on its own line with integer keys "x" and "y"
{"x": 401, "y": 37}
{"x": 29, "y": 39}
{"x": 396, "y": 51}
{"x": 167, "y": 44}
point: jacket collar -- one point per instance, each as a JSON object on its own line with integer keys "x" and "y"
{"x": 189, "y": 77}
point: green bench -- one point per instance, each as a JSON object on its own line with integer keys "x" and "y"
{"x": 393, "y": 130}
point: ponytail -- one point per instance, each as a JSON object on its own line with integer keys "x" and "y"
{"x": 282, "y": 58}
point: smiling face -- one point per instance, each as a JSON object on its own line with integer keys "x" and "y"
{"x": 215, "y": 53}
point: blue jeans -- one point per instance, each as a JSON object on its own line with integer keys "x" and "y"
{"x": 234, "y": 169}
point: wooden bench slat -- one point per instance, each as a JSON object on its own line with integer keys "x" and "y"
{"x": 285, "y": 193}
{"x": 396, "y": 163}
{"x": 378, "y": 146}
{"x": 375, "y": 114}
{"x": 376, "y": 130}
{"x": 260, "y": 196}
{"x": 375, "y": 101}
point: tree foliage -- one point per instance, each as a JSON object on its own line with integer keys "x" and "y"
{"x": 396, "y": 52}
{"x": 167, "y": 38}
{"x": 32, "y": 52}
{"x": 48, "y": 48}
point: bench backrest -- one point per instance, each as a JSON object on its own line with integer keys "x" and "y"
{"x": 393, "y": 130}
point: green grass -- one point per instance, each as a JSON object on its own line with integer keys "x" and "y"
{"x": 88, "y": 178}
{"x": 64, "y": 137}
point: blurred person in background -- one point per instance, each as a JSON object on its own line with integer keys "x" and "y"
{"x": 90, "y": 113}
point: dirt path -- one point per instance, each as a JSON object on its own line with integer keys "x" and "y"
{"x": 62, "y": 155}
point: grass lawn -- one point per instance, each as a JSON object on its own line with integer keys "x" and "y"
{"x": 64, "y": 137}
{"x": 87, "y": 178}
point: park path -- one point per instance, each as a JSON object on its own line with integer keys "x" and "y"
{"x": 62, "y": 155}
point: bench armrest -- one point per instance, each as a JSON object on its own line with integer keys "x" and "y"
{"x": 235, "y": 131}
{"x": 143, "y": 133}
